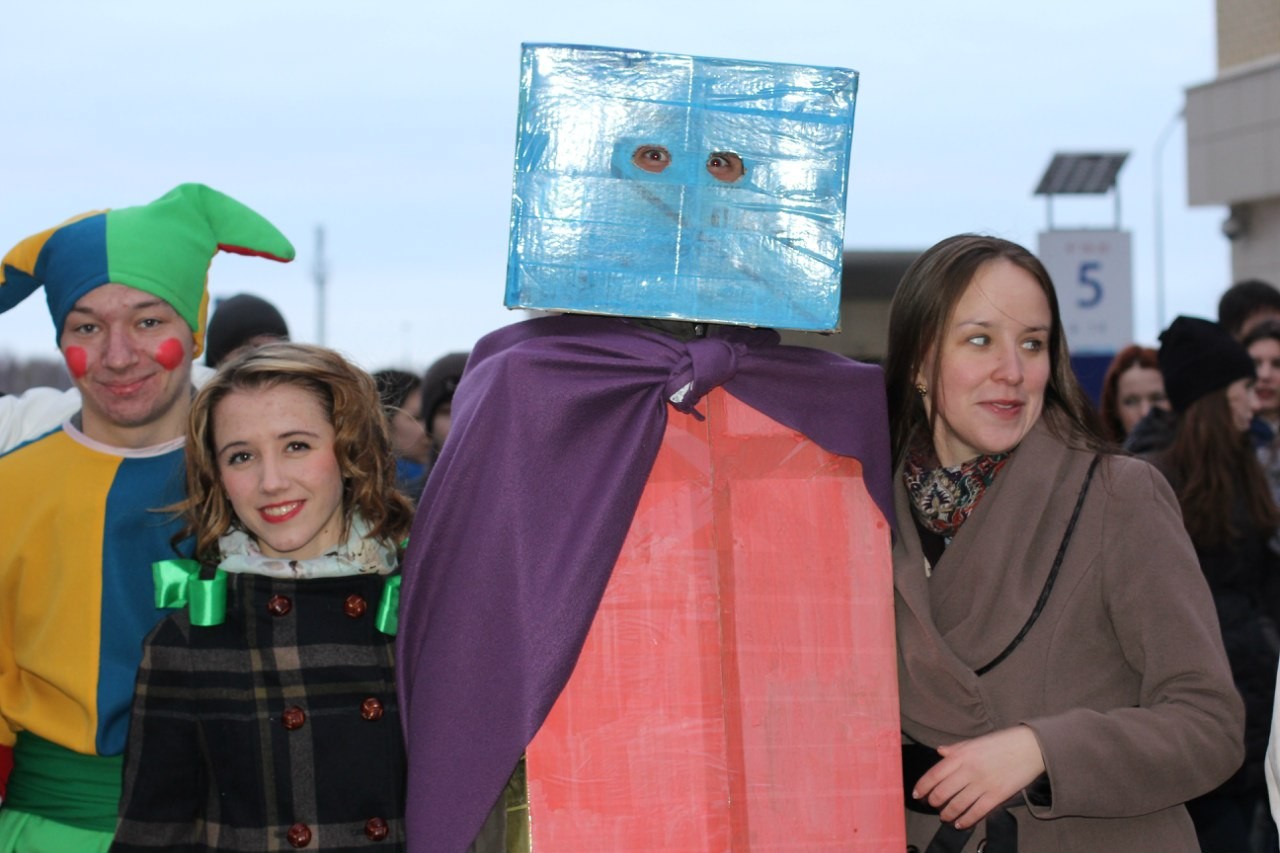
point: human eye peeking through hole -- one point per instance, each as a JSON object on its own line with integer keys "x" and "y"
{"x": 725, "y": 166}
{"x": 651, "y": 158}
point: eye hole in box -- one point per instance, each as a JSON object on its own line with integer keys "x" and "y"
{"x": 725, "y": 166}
{"x": 651, "y": 158}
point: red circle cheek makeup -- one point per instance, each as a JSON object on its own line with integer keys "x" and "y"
{"x": 170, "y": 354}
{"x": 77, "y": 361}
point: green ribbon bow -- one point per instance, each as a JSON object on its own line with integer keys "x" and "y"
{"x": 178, "y": 583}
{"x": 388, "y": 619}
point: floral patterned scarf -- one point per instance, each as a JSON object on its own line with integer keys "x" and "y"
{"x": 357, "y": 556}
{"x": 942, "y": 498}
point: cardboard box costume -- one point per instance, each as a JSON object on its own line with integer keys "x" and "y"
{"x": 684, "y": 618}
{"x": 618, "y": 208}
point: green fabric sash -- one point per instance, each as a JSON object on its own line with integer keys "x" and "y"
{"x": 388, "y": 621}
{"x": 61, "y": 785}
{"x": 178, "y": 583}
{"x": 22, "y": 832}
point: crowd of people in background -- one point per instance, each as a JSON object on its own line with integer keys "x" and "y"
{"x": 418, "y": 410}
{"x": 1204, "y": 410}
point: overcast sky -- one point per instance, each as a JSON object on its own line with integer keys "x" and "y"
{"x": 392, "y": 125}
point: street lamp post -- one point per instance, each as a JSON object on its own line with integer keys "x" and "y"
{"x": 1159, "y": 214}
{"x": 320, "y": 274}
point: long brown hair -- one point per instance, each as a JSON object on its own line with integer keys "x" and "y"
{"x": 1212, "y": 465}
{"x": 361, "y": 442}
{"x": 922, "y": 306}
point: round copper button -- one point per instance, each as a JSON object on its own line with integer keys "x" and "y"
{"x": 355, "y": 605}
{"x": 376, "y": 829}
{"x": 299, "y": 835}
{"x": 279, "y": 605}
{"x": 293, "y": 718}
{"x": 371, "y": 709}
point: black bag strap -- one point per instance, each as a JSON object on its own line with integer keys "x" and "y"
{"x": 1053, "y": 573}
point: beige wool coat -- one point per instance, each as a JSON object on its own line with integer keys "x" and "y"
{"x": 1123, "y": 677}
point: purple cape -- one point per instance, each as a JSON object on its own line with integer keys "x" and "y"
{"x": 556, "y": 424}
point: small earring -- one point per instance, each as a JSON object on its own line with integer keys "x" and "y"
{"x": 922, "y": 389}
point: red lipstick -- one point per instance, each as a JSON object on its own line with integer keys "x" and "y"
{"x": 277, "y": 518}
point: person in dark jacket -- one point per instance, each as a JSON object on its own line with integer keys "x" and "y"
{"x": 1131, "y": 388}
{"x": 1154, "y": 432}
{"x": 1263, "y": 344}
{"x": 401, "y": 394}
{"x": 240, "y": 322}
{"x": 1246, "y": 303}
{"x": 1230, "y": 515}
{"x": 265, "y": 714}
{"x": 438, "y": 385}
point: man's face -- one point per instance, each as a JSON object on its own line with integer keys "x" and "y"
{"x": 129, "y": 353}
{"x": 1259, "y": 315}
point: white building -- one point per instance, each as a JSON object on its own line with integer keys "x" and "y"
{"x": 1233, "y": 136}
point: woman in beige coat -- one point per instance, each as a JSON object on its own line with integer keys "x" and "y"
{"x": 1062, "y": 676}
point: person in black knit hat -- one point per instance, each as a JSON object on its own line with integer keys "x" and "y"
{"x": 1196, "y": 357}
{"x": 240, "y": 321}
{"x": 1229, "y": 512}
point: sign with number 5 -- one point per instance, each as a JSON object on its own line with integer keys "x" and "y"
{"x": 1093, "y": 276}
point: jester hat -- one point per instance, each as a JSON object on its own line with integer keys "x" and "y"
{"x": 163, "y": 248}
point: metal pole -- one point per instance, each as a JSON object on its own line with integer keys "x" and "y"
{"x": 320, "y": 274}
{"x": 1159, "y": 214}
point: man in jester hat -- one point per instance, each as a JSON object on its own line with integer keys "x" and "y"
{"x": 237, "y": 323}
{"x": 79, "y": 526}
{"x": 576, "y": 583}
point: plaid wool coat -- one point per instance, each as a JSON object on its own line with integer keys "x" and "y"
{"x": 276, "y": 730}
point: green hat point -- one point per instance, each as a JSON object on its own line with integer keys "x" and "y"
{"x": 163, "y": 248}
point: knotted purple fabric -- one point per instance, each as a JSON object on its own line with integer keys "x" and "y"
{"x": 706, "y": 364}
{"x": 556, "y": 424}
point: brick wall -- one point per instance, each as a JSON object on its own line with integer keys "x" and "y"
{"x": 1248, "y": 30}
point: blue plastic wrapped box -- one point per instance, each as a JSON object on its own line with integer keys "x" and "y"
{"x": 680, "y": 187}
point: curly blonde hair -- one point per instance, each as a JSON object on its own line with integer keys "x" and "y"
{"x": 361, "y": 441}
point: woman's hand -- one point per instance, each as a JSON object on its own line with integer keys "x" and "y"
{"x": 975, "y": 776}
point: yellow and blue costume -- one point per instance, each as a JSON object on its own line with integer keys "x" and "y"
{"x": 82, "y": 522}
{"x": 76, "y": 600}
